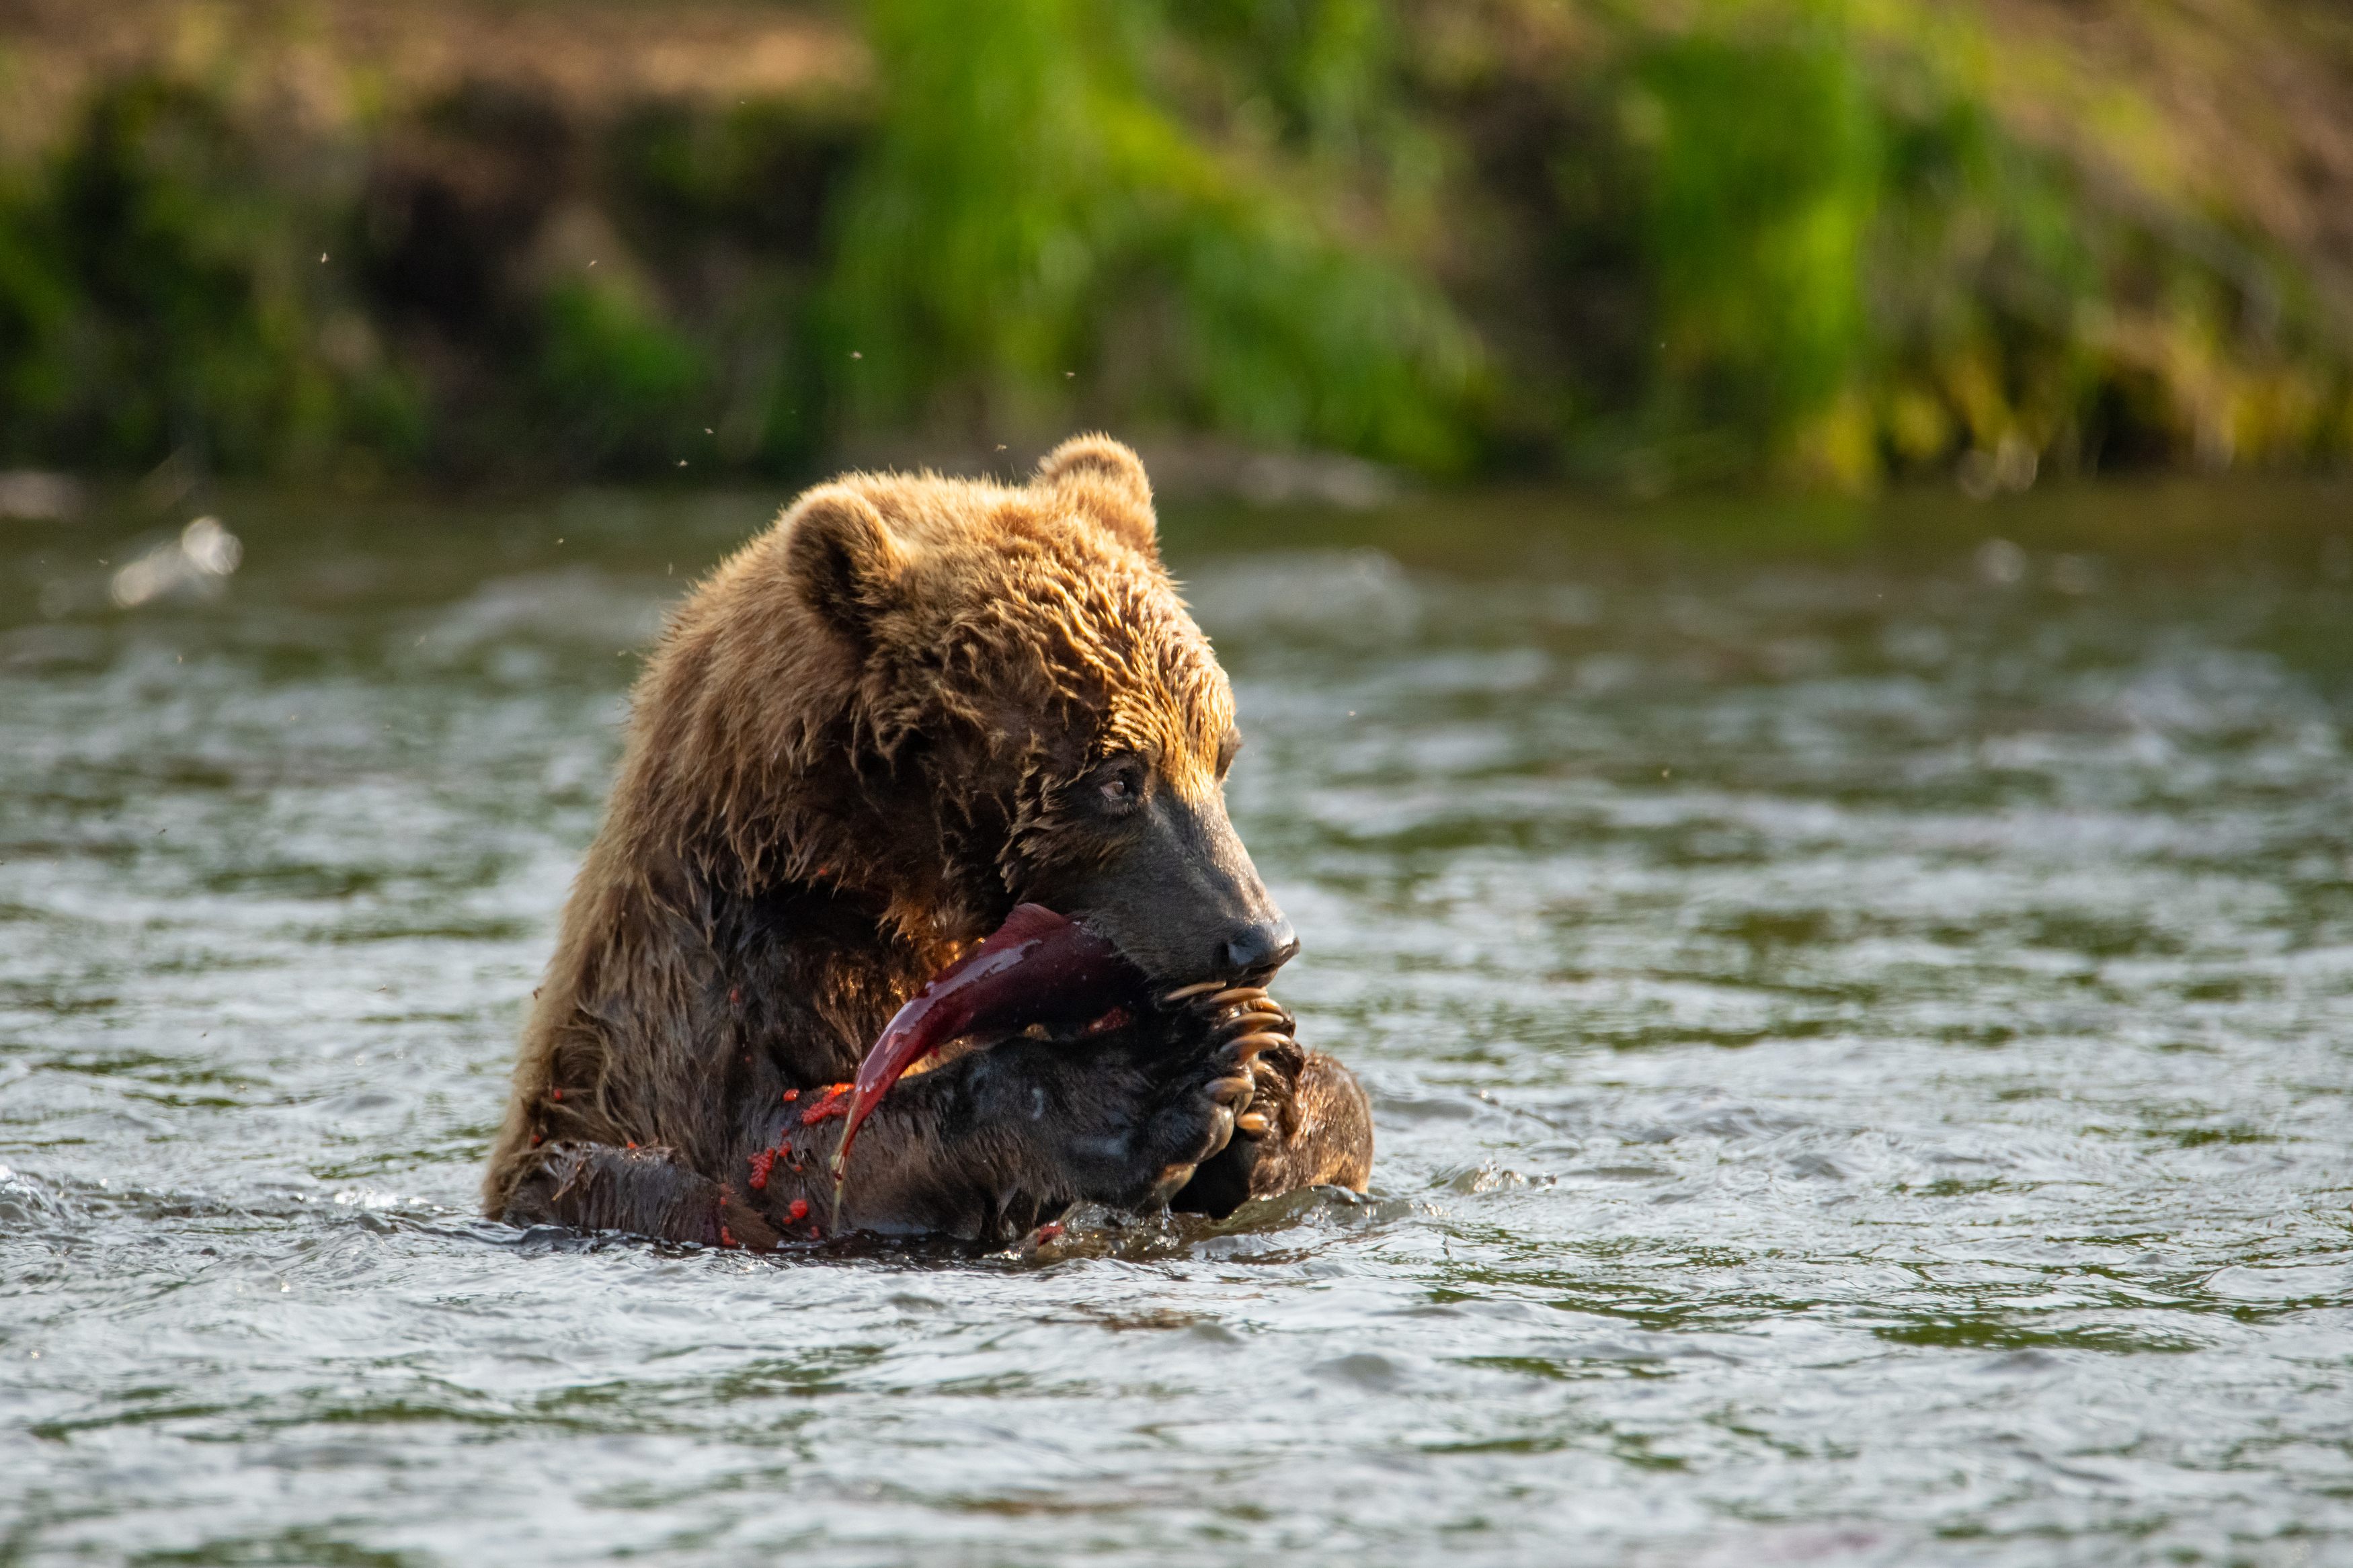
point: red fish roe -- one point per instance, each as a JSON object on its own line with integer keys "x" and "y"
{"x": 762, "y": 1163}
{"x": 831, "y": 1105}
{"x": 791, "y": 1095}
{"x": 799, "y": 1210}
{"x": 555, "y": 1094}
{"x": 727, "y": 1237}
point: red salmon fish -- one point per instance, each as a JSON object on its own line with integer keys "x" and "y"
{"x": 1036, "y": 968}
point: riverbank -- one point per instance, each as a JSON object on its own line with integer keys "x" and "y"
{"x": 1809, "y": 244}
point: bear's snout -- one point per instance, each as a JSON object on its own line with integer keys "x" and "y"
{"x": 1181, "y": 898}
{"x": 1256, "y": 950}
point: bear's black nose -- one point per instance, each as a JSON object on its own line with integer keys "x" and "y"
{"x": 1260, "y": 949}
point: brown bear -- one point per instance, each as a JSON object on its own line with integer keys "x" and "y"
{"x": 913, "y": 704}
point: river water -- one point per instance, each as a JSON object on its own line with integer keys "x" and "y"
{"x": 1858, "y": 1001}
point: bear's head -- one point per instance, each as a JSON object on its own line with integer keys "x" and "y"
{"x": 957, "y": 696}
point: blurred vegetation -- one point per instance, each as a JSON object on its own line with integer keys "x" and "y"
{"x": 1027, "y": 215}
{"x": 153, "y": 292}
{"x": 1790, "y": 240}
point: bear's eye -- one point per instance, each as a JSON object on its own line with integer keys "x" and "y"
{"x": 1120, "y": 786}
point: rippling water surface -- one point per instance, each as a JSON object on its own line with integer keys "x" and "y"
{"x": 1858, "y": 1016}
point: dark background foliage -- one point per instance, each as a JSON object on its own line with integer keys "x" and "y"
{"x": 1782, "y": 239}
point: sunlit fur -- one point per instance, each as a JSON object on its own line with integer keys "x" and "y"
{"x": 859, "y": 731}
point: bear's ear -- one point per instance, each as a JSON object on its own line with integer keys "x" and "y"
{"x": 842, "y": 559}
{"x": 1110, "y": 485}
